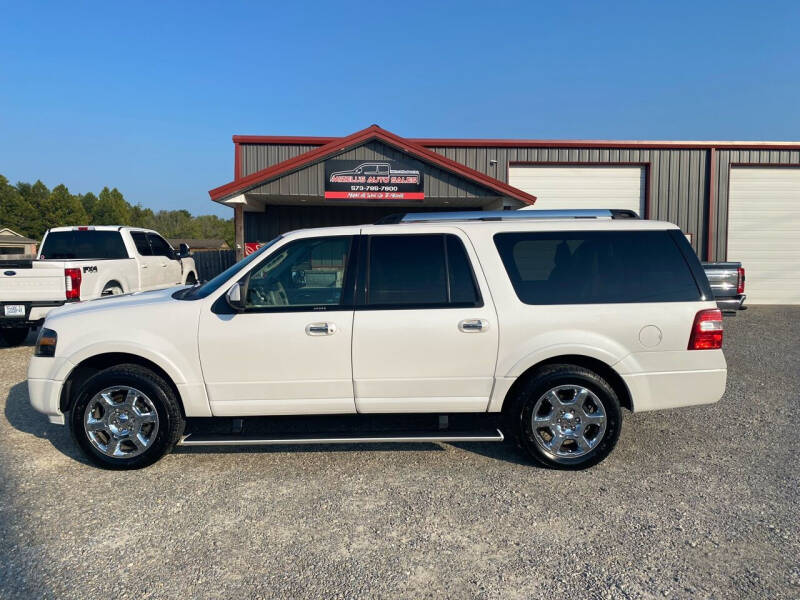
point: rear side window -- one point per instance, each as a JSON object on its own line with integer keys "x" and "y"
{"x": 77, "y": 245}
{"x": 142, "y": 245}
{"x": 596, "y": 267}
{"x": 430, "y": 270}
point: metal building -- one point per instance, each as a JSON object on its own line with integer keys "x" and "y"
{"x": 736, "y": 200}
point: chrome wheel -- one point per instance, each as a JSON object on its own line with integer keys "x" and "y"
{"x": 568, "y": 421}
{"x": 121, "y": 422}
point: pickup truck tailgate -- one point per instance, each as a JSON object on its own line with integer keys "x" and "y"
{"x": 36, "y": 283}
{"x": 723, "y": 277}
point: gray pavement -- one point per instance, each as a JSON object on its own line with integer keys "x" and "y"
{"x": 694, "y": 503}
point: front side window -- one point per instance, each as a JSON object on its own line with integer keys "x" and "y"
{"x": 428, "y": 270}
{"x": 160, "y": 246}
{"x": 306, "y": 273}
{"x": 596, "y": 267}
{"x": 142, "y": 245}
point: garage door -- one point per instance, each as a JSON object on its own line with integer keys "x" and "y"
{"x": 764, "y": 231}
{"x": 581, "y": 186}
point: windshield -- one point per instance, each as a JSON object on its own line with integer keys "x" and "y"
{"x": 72, "y": 245}
{"x": 212, "y": 285}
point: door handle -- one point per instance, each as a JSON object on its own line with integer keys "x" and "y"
{"x": 473, "y": 325}
{"x": 320, "y": 328}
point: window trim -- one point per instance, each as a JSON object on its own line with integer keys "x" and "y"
{"x": 362, "y": 295}
{"x": 669, "y": 236}
{"x": 221, "y": 306}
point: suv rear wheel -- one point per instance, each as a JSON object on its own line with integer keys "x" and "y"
{"x": 565, "y": 417}
{"x": 126, "y": 417}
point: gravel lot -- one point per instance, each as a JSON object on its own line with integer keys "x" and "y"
{"x": 699, "y": 503}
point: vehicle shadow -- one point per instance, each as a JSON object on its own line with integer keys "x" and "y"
{"x": 21, "y": 416}
{"x": 29, "y": 341}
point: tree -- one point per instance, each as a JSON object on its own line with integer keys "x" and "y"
{"x": 111, "y": 208}
{"x": 65, "y": 209}
{"x": 16, "y": 212}
{"x": 142, "y": 217}
{"x": 38, "y": 196}
{"x": 89, "y": 202}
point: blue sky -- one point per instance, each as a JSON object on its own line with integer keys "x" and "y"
{"x": 145, "y": 96}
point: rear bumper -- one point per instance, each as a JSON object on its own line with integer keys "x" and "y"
{"x": 731, "y": 305}
{"x": 35, "y": 312}
{"x": 656, "y": 391}
{"x": 45, "y": 396}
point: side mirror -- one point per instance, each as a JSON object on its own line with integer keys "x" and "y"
{"x": 183, "y": 251}
{"x": 235, "y": 296}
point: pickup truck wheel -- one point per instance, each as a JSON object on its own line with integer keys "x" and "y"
{"x": 112, "y": 289}
{"x": 126, "y": 417}
{"x": 566, "y": 417}
{"x": 13, "y": 336}
{"x": 191, "y": 279}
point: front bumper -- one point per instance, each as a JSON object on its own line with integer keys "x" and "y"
{"x": 45, "y": 397}
{"x": 45, "y": 381}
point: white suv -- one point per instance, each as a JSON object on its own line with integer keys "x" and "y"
{"x": 538, "y": 326}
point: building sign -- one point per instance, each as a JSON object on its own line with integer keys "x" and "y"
{"x": 373, "y": 180}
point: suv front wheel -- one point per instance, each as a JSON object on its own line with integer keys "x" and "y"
{"x": 565, "y": 417}
{"x": 126, "y": 417}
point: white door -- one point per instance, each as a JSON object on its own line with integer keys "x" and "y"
{"x": 169, "y": 268}
{"x": 571, "y": 187}
{"x": 764, "y": 231}
{"x": 425, "y": 335}
{"x": 149, "y": 265}
{"x": 289, "y": 351}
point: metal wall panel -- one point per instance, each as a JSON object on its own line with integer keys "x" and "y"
{"x": 254, "y": 157}
{"x": 309, "y": 181}
{"x": 677, "y": 186}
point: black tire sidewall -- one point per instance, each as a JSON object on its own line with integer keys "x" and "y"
{"x": 568, "y": 376}
{"x": 170, "y": 425}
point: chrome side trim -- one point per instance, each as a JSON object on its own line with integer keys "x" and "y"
{"x": 405, "y": 438}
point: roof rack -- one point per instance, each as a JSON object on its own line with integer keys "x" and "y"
{"x": 508, "y": 215}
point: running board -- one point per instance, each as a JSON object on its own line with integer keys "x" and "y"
{"x": 194, "y": 439}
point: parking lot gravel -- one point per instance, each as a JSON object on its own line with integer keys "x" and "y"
{"x": 694, "y": 503}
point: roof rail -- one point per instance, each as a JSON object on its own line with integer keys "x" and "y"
{"x": 508, "y": 215}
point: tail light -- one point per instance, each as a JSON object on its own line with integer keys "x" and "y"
{"x": 740, "y": 285}
{"x": 706, "y": 330}
{"x": 72, "y": 281}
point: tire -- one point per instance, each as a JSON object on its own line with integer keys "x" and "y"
{"x": 107, "y": 415}
{"x": 14, "y": 336}
{"x": 191, "y": 279}
{"x": 583, "y": 426}
{"x": 112, "y": 289}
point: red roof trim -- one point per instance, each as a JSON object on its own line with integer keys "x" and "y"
{"x": 507, "y": 143}
{"x": 370, "y": 133}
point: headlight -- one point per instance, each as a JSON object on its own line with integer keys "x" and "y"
{"x": 46, "y": 343}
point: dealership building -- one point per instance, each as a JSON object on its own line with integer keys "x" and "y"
{"x": 736, "y": 201}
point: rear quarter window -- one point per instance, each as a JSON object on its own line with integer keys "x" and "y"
{"x": 596, "y": 267}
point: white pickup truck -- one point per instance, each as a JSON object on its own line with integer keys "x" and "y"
{"x": 84, "y": 263}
